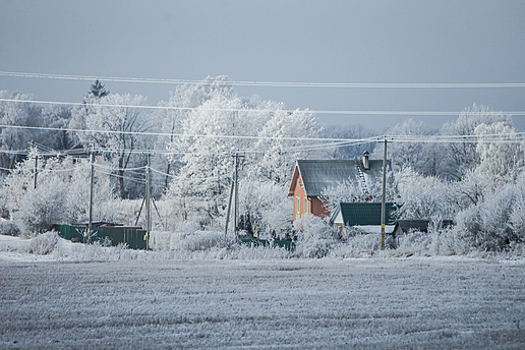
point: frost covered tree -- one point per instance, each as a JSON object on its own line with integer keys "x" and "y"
{"x": 54, "y": 117}
{"x": 213, "y": 133}
{"x": 13, "y": 140}
{"x": 219, "y": 124}
{"x": 355, "y": 131}
{"x": 284, "y": 139}
{"x": 462, "y": 156}
{"x": 172, "y": 115}
{"x": 16, "y": 141}
{"x": 110, "y": 128}
{"x": 423, "y": 197}
{"x": 408, "y": 151}
{"x": 500, "y": 151}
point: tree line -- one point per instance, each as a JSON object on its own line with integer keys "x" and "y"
{"x": 193, "y": 135}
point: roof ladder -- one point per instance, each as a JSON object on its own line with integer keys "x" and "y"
{"x": 362, "y": 179}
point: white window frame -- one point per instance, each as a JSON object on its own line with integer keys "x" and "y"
{"x": 306, "y": 205}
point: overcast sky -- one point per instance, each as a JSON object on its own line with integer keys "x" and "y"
{"x": 279, "y": 41}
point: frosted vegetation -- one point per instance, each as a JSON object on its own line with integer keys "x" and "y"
{"x": 478, "y": 181}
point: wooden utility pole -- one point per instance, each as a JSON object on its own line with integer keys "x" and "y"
{"x": 229, "y": 209}
{"x": 236, "y": 212}
{"x": 36, "y": 170}
{"x": 234, "y": 193}
{"x": 383, "y": 200}
{"x": 148, "y": 203}
{"x": 90, "y": 225}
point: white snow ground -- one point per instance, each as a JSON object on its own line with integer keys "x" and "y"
{"x": 158, "y": 303}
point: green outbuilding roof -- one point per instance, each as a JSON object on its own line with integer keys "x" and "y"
{"x": 363, "y": 214}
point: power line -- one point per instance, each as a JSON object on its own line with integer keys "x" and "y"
{"x": 280, "y": 84}
{"x": 146, "y": 133}
{"x": 117, "y": 169}
{"x": 332, "y": 112}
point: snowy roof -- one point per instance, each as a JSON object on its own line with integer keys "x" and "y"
{"x": 363, "y": 214}
{"x": 419, "y": 225}
{"x": 413, "y": 225}
{"x": 317, "y": 175}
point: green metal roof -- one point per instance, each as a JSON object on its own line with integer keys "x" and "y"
{"x": 366, "y": 213}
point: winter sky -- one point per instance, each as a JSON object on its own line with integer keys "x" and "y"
{"x": 275, "y": 41}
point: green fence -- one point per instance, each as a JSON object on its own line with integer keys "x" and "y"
{"x": 134, "y": 238}
{"x": 255, "y": 242}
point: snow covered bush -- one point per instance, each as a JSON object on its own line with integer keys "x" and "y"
{"x": 9, "y": 228}
{"x": 188, "y": 242}
{"x": 267, "y": 204}
{"x": 358, "y": 246}
{"x": 44, "y": 244}
{"x": 488, "y": 225}
{"x": 315, "y": 238}
{"x": 61, "y": 195}
{"x": 517, "y": 215}
{"x": 40, "y": 209}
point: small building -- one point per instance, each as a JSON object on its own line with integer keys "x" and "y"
{"x": 363, "y": 217}
{"x": 407, "y": 226}
{"x": 311, "y": 177}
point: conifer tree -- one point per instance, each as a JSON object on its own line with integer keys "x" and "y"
{"x": 98, "y": 90}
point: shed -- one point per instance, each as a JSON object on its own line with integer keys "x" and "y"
{"x": 363, "y": 217}
{"x": 406, "y": 226}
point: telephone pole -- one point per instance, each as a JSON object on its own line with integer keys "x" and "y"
{"x": 36, "y": 170}
{"x": 90, "y": 225}
{"x": 236, "y": 212}
{"x": 234, "y": 193}
{"x": 148, "y": 203}
{"x": 383, "y": 199}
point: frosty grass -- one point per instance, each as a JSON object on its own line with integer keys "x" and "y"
{"x": 146, "y": 300}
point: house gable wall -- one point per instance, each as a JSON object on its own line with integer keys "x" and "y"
{"x": 307, "y": 205}
{"x": 299, "y": 196}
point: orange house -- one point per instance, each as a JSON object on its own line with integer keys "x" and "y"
{"x": 302, "y": 203}
{"x": 311, "y": 177}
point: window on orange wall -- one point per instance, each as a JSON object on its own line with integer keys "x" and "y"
{"x": 297, "y": 205}
{"x": 306, "y": 205}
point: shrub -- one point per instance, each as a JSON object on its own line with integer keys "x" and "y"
{"x": 315, "y": 238}
{"x": 9, "y": 228}
{"x": 44, "y": 244}
{"x": 487, "y": 224}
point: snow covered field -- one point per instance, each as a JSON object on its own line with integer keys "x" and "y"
{"x": 369, "y": 303}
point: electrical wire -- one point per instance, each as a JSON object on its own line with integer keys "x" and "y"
{"x": 332, "y": 112}
{"x": 146, "y": 133}
{"x": 280, "y": 84}
{"x": 124, "y": 177}
{"x": 117, "y": 169}
{"x": 61, "y": 170}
